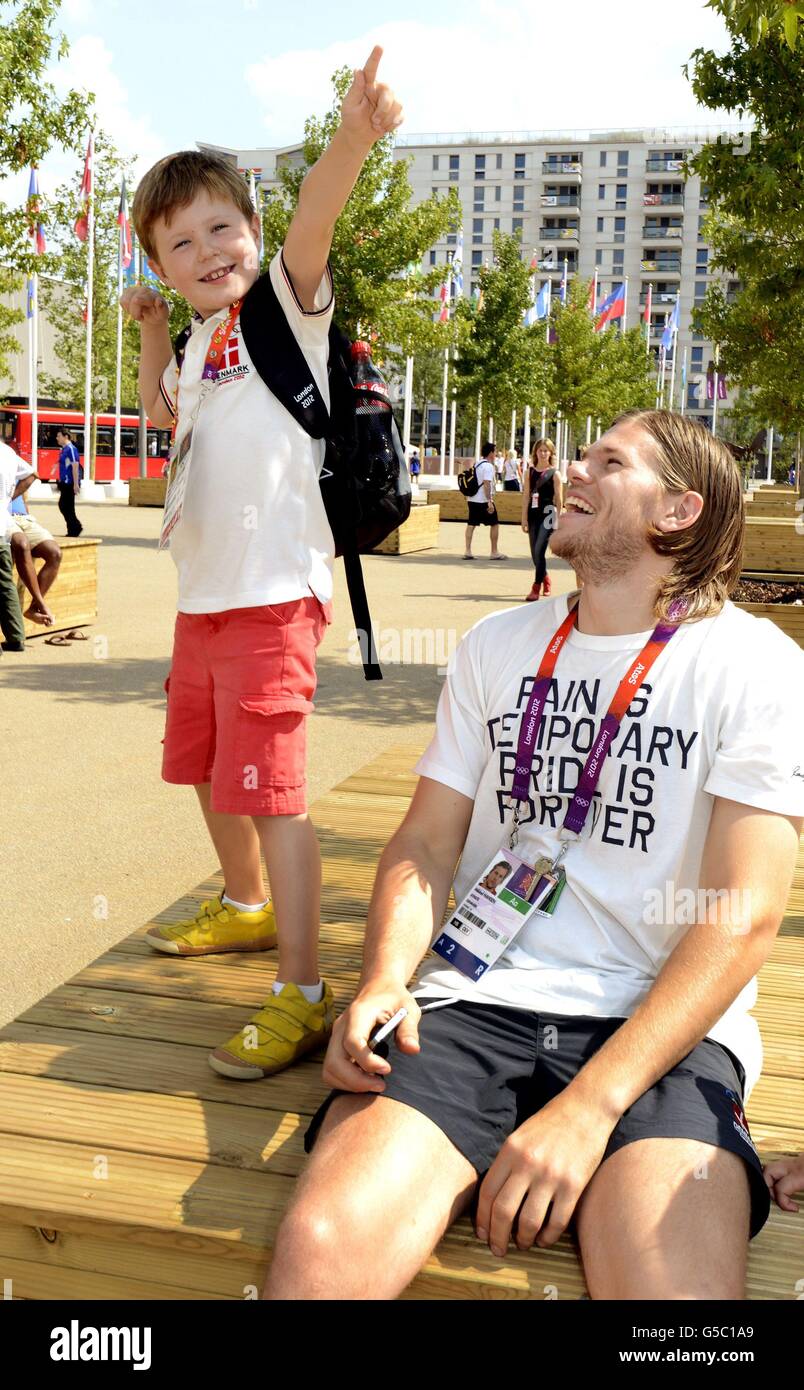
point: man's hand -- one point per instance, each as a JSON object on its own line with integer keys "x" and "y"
{"x": 145, "y": 305}
{"x": 542, "y": 1168}
{"x": 350, "y": 1065}
{"x": 490, "y": 506}
{"x": 784, "y": 1177}
{"x": 370, "y": 111}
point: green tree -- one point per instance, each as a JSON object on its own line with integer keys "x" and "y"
{"x": 757, "y": 19}
{"x": 32, "y": 120}
{"x": 756, "y": 223}
{"x": 499, "y": 357}
{"x": 378, "y": 238}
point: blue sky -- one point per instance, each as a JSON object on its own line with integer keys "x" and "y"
{"x": 246, "y": 73}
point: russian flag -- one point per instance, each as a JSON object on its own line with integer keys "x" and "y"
{"x": 37, "y": 235}
{"x": 126, "y": 249}
{"x": 612, "y": 308}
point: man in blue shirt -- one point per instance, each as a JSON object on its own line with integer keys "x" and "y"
{"x": 69, "y": 483}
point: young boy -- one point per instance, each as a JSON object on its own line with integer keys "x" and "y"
{"x": 254, "y": 552}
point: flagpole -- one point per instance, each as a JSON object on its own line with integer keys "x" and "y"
{"x": 136, "y": 251}
{"x": 684, "y": 383}
{"x": 526, "y": 435}
{"x": 513, "y": 430}
{"x": 479, "y": 423}
{"x": 445, "y": 386}
{"x": 714, "y": 397}
{"x": 453, "y": 415}
{"x": 544, "y": 422}
{"x": 588, "y": 429}
{"x": 648, "y": 308}
{"x": 769, "y": 436}
{"x": 35, "y": 376}
{"x": 88, "y": 468}
{"x": 625, "y": 305}
{"x": 118, "y": 364}
{"x": 408, "y": 415}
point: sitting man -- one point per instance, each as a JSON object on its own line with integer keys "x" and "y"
{"x": 30, "y": 541}
{"x": 648, "y": 735}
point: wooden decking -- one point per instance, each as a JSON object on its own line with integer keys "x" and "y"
{"x": 128, "y": 1169}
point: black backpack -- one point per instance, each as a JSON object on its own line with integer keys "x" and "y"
{"x": 365, "y": 499}
{"x": 467, "y": 481}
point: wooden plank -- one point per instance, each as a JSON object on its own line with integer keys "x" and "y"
{"x": 419, "y": 532}
{"x": 73, "y": 597}
{"x": 147, "y": 492}
{"x": 773, "y": 544}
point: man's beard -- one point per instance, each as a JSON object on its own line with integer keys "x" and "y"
{"x": 603, "y": 556}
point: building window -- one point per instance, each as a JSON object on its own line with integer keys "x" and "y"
{"x": 697, "y": 359}
{"x": 497, "y": 193}
{"x": 519, "y": 201}
{"x": 479, "y": 202}
{"x": 619, "y": 224}
{"x": 702, "y": 258}
{"x": 516, "y": 225}
{"x": 432, "y": 257}
{"x": 477, "y": 258}
{"x": 455, "y": 161}
{"x": 622, "y": 190}
{"x": 519, "y": 161}
{"x": 480, "y": 161}
{"x": 598, "y": 257}
{"x": 600, "y": 224}
{"x": 451, "y": 239}
{"x": 435, "y": 192}
{"x": 435, "y": 161}
{"x": 477, "y": 229}
{"x": 496, "y": 224}
{"x": 700, "y": 228}
{"x": 700, "y": 289}
{"x": 499, "y": 161}
{"x": 622, "y": 157}
{"x": 480, "y": 174}
{"x": 454, "y": 175}
{"x": 601, "y": 190}
{"x": 602, "y": 159}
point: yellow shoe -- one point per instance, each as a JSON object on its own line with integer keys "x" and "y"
{"x": 217, "y": 927}
{"x": 283, "y": 1030}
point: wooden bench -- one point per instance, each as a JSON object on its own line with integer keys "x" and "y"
{"x": 770, "y": 503}
{"x": 419, "y": 532}
{"x": 452, "y": 504}
{"x": 774, "y": 545}
{"x": 73, "y": 598}
{"x": 130, "y": 1170}
{"x": 147, "y": 492}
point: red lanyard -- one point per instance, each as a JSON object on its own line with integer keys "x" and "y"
{"x": 531, "y": 720}
{"x": 218, "y": 342}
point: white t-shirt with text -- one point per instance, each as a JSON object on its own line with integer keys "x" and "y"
{"x": 485, "y": 473}
{"x": 254, "y": 529}
{"x": 717, "y": 716}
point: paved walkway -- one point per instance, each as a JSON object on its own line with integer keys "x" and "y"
{"x": 93, "y": 843}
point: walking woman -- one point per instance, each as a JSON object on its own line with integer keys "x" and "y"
{"x": 542, "y": 499}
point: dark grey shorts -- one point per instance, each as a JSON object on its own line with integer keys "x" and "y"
{"x": 484, "y": 1070}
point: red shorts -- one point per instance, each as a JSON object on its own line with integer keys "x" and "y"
{"x": 240, "y": 687}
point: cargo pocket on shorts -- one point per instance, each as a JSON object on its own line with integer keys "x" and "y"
{"x": 270, "y": 742}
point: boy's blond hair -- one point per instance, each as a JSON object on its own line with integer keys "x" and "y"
{"x": 175, "y": 181}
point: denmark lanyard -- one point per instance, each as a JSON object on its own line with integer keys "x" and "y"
{"x": 530, "y": 725}
{"x": 212, "y": 361}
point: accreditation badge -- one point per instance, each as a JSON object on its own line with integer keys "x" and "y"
{"x": 178, "y": 470}
{"x": 505, "y": 896}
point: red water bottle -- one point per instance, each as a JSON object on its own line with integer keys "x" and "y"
{"x": 373, "y": 408}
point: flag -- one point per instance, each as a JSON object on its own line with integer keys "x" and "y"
{"x": 457, "y": 264}
{"x": 30, "y": 299}
{"x": 126, "y": 248}
{"x": 539, "y": 306}
{"x": 721, "y": 388}
{"x": 592, "y": 305}
{"x": 35, "y": 226}
{"x": 613, "y": 307}
{"x": 648, "y": 305}
{"x": 563, "y": 290}
{"x": 684, "y": 375}
{"x": 443, "y": 317}
{"x": 534, "y": 260}
{"x": 81, "y": 227}
{"x": 477, "y": 296}
{"x": 255, "y": 203}
{"x": 671, "y": 326}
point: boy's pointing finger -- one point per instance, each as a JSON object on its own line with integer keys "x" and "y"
{"x": 372, "y": 64}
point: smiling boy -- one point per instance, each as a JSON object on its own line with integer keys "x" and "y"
{"x": 254, "y": 551}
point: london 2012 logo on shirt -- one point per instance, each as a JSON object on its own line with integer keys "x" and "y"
{"x": 232, "y": 367}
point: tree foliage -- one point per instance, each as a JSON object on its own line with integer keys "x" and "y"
{"x": 32, "y": 120}
{"x": 756, "y": 223}
{"x": 379, "y": 239}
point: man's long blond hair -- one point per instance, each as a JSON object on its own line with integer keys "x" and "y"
{"x": 707, "y": 556}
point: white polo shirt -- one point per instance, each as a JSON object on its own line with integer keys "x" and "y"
{"x": 253, "y": 529}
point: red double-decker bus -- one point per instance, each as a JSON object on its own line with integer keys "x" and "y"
{"x": 15, "y": 429}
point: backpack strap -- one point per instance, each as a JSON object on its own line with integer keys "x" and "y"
{"x": 279, "y": 361}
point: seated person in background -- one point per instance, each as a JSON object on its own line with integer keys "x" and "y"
{"x": 584, "y": 1072}
{"x": 30, "y": 541}
{"x": 785, "y": 1176}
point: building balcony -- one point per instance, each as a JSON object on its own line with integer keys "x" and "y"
{"x": 568, "y": 172}
{"x": 661, "y": 200}
{"x": 671, "y": 265}
{"x": 560, "y": 200}
{"x": 558, "y": 234}
{"x": 558, "y": 268}
{"x": 673, "y": 167}
{"x": 650, "y": 233}
{"x": 658, "y": 297}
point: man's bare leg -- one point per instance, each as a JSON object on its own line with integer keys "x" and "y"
{"x": 38, "y": 610}
{"x": 467, "y": 540}
{"x": 50, "y": 552}
{"x": 666, "y": 1219}
{"x": 382, "y": 1186}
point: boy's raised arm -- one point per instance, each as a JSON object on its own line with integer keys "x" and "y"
{"x": 370, "y": 111}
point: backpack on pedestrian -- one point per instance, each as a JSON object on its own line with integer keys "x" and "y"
{"x": 467, "y": 481}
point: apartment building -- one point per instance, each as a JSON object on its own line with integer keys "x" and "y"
{"x": 615, "y": 201}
